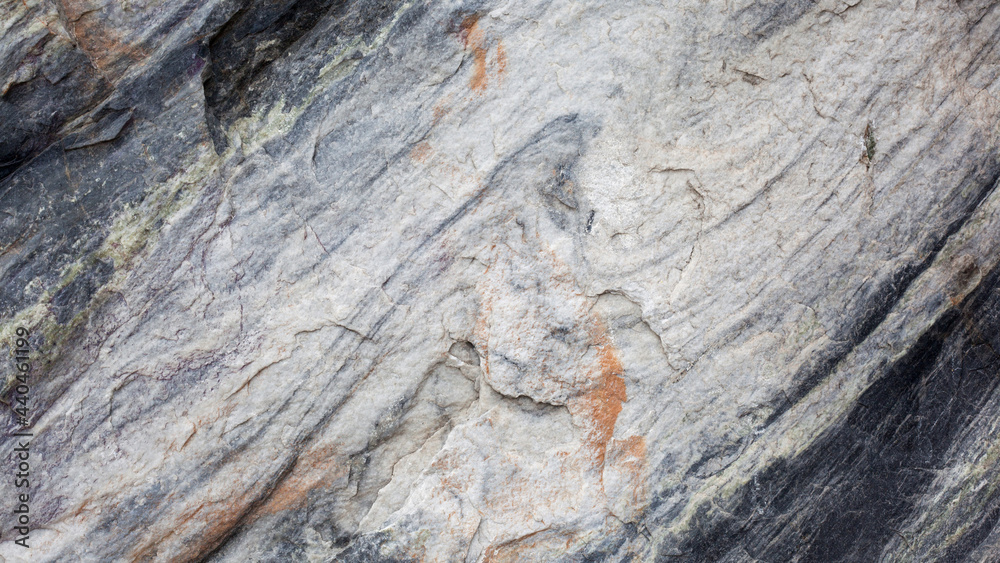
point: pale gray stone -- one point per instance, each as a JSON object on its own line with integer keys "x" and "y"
{"x": 503, "y": 281}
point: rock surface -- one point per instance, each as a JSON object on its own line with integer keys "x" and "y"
{"x": 372, "y": 281}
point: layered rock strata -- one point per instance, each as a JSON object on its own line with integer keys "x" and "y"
{"x": 332, "y": 280}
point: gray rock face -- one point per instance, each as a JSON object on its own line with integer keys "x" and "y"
{"x": 332, "y": 280}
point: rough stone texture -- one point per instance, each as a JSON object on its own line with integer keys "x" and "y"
{"x": 318, "y": 280}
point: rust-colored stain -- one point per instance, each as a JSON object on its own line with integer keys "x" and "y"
{"x": 629, "y": 457}
{"x": 211, "y": 521}
{"x": 601, "y": 405}
{"x": 102, "y": 30}
{"x": 314, "y": 469}
{"x": 214, "y": 521}
{"x": 964, "y": 271}
{"x": 449, "y": 466}
{"x": 627, "y": 450}
{"x": 596, "y": 407}
{"x": 442, "y": 108}
{"x": 474, "y": 40}
{"x": 421, "y": 152}
{"x": 615, "y": 467}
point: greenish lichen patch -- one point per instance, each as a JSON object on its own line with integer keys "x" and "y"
{"x": 133, "y": 233}
{"x": 278, "y": 120}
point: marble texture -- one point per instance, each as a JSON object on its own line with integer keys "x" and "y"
{"x": 487, "y": 281}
